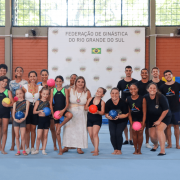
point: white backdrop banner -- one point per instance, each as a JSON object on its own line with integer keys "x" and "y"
{"x": 98, "y": 54}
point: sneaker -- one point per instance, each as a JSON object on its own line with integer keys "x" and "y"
{"x": 131, "y": 142}
{"x": 125, "y": 142}
{"x": 148, "y": 146}
{"x": 28, "y": 150}
{"x": 35, "y": 152}
{"x": 32, "y": 150}
{"x": 43, "y": 152}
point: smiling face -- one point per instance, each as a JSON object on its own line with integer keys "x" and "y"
{"x": 19, "y": 94}
{"x": 45, "y": 94}
{"x": 32, "y": 78}
{"x": 144, "y": 74}
{"x": 72, "y": 79}
{"x": 133, "y": 90}
{"x": 152, "y": 89}
{"x": 44, "y": 76}
{"x": 128, "y": 72}
{"x": 155, "y": 73}
{"x": 3, "y": 72}
{"x": 80, "y": 84}
{"x": 99, "y": 92}
{"x": 168, "y": 76}
{"x": 59, "y": 82}
{"x": 114, "y": 94}
{"x": 3, "y": 83}
{"x": 19, "y": 72}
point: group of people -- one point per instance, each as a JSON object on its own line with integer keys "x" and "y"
{"x": 155, "y": 104}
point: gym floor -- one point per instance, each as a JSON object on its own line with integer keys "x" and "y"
{"x": 87, "y": 167}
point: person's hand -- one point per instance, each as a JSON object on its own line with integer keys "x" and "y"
{"x": 142, "y": 127}
{"x": 96, "y": 112}
{"x": 5, "y": 105}
{"x": 157, "y": 123}
{"x": 21, "y": 120}
{"x": 16, "y": 120}
{"x": 41, "y": 113}
{"x": 109, "y": 117}
{"x": 61, "y": 113}
{"x": 116, "y": 118}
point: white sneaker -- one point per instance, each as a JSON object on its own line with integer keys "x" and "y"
{"x": 148, "y": 146}
{"x": 43, "y": 152}
{"x": 28, "y": 150}
{"x": 35, "y": 152}
{"x": 32, "y": 150}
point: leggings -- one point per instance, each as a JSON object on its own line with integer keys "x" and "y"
{"x": 116, "y": 129}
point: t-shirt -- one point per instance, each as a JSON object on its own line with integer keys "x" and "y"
{"x": 124, "y": 87}
{"x": 13, "y": 85}
{"x": 159, "y": 84}
{"x": 121, "y": 108}
{"x": 155, "y": 110}
{"x": 136, "y": 108}
{"x": 172, "y": 94}
{"x": 142, "y": 87}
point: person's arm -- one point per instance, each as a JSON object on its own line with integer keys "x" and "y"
{"x": 129, "y": 116}
{"x": 102, "y": 109}
{"x": 69, "y": 90}
{"x": 67, "y": 103}
{"x": 88, "y": 94}
{"x": 35, "y": 108}
{"x": 86, "y": 107}
{"x": 13, "y": 113}
{"x": 11, "y": 99}
{"x": 26, "y": 113}
{"x": 144, "y": 109}
{"x": 24, "y": 89}
{"x": 51, "y": 102}
{"x": 107, "y": 109}
{"x": 163, "y": 115}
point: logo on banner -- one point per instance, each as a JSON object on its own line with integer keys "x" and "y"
{"x": 137, "y": 50}
{"x": 123, "y": 59}
{"x": 55, "y": 31}
{"x": 137, "y": 31}
{"x": 82, "y": 68}
{"x": 96, "y": 59}
{"x": 82, "y": 50}
{"x": 68, "y": 59}
{"x": 67, "y": 78}
{"x": 96, "y": 78}
{"x": 96, "y": 50}
{"x": 109, "y": 68}
{"x": 109, "y": 50}
{"x": 55, "y": 50}
{"x": 137, "y": 68}
{"x": 108, "y": 87}
{"x": 55, "y": 68}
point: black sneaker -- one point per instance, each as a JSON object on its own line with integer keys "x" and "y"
{"x": 131, "y": 143}
{"x": 125, "y": 142}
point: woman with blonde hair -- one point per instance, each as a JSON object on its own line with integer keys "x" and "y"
{"x": 75, "y": 131}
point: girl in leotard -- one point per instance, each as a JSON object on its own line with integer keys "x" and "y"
{"x": 94, "y": 121}
{"x": 61, "y": 103}
{"x": 137, "y": 112}
{"x": 43, "y": 121}
{"x": 4, "y": 111}
{"x": 20, "y": 124}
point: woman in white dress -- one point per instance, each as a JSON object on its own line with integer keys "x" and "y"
{"x": 75, "y": 131}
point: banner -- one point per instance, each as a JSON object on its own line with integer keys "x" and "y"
{"x": 98, "y": 54}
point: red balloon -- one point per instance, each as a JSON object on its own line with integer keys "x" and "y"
{"x": 93, "y": 108}
{"x": 15, "y": 98}
{"x": 51, "y": 82}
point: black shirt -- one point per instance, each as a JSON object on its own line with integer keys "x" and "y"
{"x": 172, "y": 94}
{"x": 124, "y": 87}
{"x": 159, "y": 84}
{"x": 142, "y": 87}
{"x": 155, "y": 110}
{"x": 121, "y": 108}
{"x": 136, "y": 108}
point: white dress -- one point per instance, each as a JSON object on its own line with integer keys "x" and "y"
{"x": 75, "y": 131}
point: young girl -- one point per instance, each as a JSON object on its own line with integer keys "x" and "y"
{"x": 23, "y": 106}
{"x": 61, "y": 103}
{"x": 137, "y": 112}
{"x": 4, "y": 111}
{"x": 94, "y": 121}
{"x": 43, "y": 121}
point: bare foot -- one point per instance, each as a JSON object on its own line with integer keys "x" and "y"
{"x": 118, "y": 152}
{"x": 12, "y": 148}
{"x": 41, "y": 149}
{"x": 96, "y": 153}
{"x": 79, "y": 151}
{"x": 3, "y": 152}
{"x": 72, "y": 148}
{"x": 60, "y": 153}
{"x": 139, "y": 152}
{"x": 55, "y": 148}
{"x": 65, "y": 150}
{"x": 177, "y": 147}
{"x": 169, "y": 146}
{"x": 114, "y": 152}
{"x": 135, "y": 152}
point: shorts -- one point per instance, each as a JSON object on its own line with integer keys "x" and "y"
{"x": 32, "y": 118}
{"x": 20, "y": 125}
{"x": 175, "y": 118}
{"x": 92, "y": 122}
{"x": 4, "y": 115}
{"x": 58, "y": 121}
{"x": 166, "y": 121}
{"x": 43, "y": 122}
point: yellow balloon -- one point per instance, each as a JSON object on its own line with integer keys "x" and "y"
{"x": 6, "y": 100}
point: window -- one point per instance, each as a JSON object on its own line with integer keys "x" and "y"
{"x": 80, "y": 12}
{"x": 2, "y": 12}
{"x": 167, "y": 12}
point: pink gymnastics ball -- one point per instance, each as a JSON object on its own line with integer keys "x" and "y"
{"x": 56, "y": 115}
{"x": 51, "y": 82}
{"x": 136, "y": 126}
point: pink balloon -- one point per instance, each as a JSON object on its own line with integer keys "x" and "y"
{"x": 15, "y": 98}
{"x": 136, "y": 126}
{"x": 56, "y": 115}
{"x": 51, "y": 82}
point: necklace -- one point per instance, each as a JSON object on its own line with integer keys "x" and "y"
{"x": 78, "y": 95}
{"x": 32, "y": 91}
